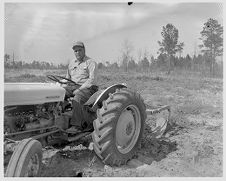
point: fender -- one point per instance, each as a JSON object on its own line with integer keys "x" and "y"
{"x": 104, "y": 95}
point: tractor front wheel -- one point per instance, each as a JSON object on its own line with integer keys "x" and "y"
{"x": 26, "y": 159}
{"x": 119, "y": 127}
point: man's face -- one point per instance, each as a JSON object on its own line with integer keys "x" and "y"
{"x": 79, "y": 53}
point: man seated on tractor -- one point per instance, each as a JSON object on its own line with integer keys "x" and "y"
{"x": 83, "y": 71}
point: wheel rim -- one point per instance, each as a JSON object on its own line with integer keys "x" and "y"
{"x": 33, "y": 166}
{"x": 128, "y": 129}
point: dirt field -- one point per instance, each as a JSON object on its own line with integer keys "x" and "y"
{"x": 191, "y": 147}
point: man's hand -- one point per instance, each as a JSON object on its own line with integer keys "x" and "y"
{"x": 57, "y": 83}
{"x": 62, "y": 85}
{"x": 63, "y": 80}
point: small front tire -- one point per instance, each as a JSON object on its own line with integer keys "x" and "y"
{"x": 26, "y": 159}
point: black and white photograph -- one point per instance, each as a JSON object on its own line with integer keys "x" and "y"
{"x": 112, "y": 89}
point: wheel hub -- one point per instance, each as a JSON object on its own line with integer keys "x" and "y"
{"x": 33, "y": 166}
{"x": 128, "y": 128}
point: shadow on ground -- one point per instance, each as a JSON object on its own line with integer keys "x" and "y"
{"x": 68, "y": 160}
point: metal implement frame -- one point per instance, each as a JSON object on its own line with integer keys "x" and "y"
{"x": 160, "y": 129}
{"x": 157, "y": 110}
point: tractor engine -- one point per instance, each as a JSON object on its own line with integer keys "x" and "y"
{"x": 29, "y": 117}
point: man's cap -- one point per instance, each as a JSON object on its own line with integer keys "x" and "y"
{"x": 78, "y": 44}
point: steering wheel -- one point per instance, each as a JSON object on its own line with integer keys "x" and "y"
{"x": 59, "y": 79}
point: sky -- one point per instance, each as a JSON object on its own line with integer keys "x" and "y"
{"x": 46, "y": 31}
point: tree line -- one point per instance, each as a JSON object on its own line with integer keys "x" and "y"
{"x": 170, "y": 50}
{"x": 198, "y": 62}
{"x": 11, "y": 64}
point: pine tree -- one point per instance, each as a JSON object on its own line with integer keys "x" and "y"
{"x": 212, "y": 38}
{"x": 169, "y": 44}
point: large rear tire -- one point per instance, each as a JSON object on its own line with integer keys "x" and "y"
{"x": 119, "y": 127}
{"x": 26, "y": 159}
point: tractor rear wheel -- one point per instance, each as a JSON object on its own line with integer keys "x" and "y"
{"x": 119, "y": 127}
{"x": 26, "y": 159}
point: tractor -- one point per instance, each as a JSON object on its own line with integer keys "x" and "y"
{"x": 38, "y": 114}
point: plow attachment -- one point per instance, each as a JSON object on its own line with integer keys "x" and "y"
{"x": 157, "y": 119}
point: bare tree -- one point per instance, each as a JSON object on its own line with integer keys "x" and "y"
{"x": 127, "y": 48}
{"x": 139, "y": 54}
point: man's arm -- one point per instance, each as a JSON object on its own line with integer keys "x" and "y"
{"x": 92, "y": 68}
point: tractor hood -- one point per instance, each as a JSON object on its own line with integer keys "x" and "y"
{"x": 32, "y": 93}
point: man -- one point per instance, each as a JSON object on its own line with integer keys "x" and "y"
{"x": 83, "y": 71}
